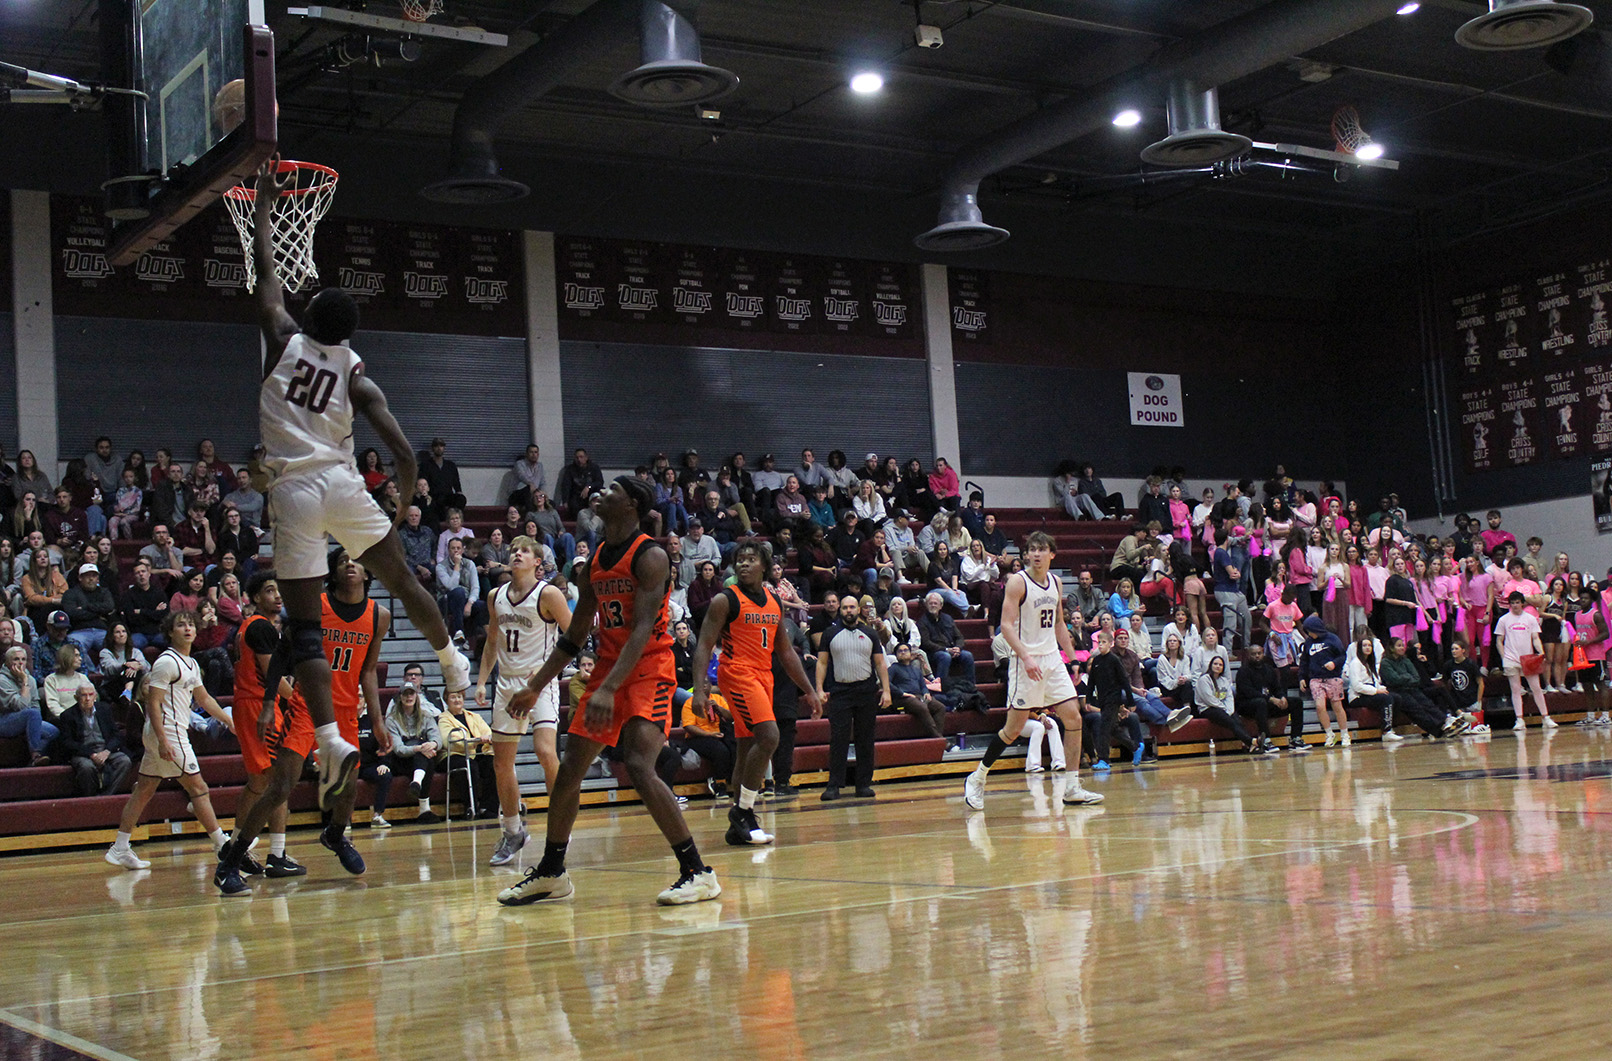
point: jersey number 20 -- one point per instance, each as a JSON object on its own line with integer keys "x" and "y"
{"x": 311, "y": 387}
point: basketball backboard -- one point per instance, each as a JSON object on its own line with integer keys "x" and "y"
{"x": 206, "y": 123}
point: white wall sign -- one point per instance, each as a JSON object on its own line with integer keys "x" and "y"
{"x": 1156, "y": 400}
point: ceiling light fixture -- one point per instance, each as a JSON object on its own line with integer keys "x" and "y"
{"x": 1409, "y": 9}
{"x": 867, "y": 83}
{"x": 1129, "y": 118}
{"x": 1370, "y": 151}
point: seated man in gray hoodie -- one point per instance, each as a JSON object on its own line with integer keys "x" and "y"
{"x": 416, "y": 743}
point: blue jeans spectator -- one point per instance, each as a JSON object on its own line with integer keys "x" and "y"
{"x": 97, "y": 519}
{"x": 1152, "y": 709}
{"x": 942, "y": 661}
{"x": 140, "y": 641}
{"x": 953, "y": 597}
{"x": 89, "y": 641}
{"x": 565, "y": 547}
{"x": 675, "y": 515}
{"x": 31, "y": 723}
{"x": 208, "y": 726}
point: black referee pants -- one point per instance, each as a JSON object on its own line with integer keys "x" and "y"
{"x": 855, "y": 709}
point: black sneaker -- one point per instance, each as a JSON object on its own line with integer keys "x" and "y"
{"x": 830, "y": 794}
{"x": 351, "y": 860}
{"x": 428, "y": 818}
{"x": 248, "y": 866}
{"x": 785, "y": 791}
{"x": 284, "y": 866}
{"x": 415, "y": 792}
{"x": 864, "y": 791}
{"x": 228, "y": 880}
{"x": 744, "y": 830}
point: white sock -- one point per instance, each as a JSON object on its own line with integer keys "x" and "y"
{"x": 218, "y": 836}
{"x": 982, "y": 769}
{"x": 122, "y": 842}
{"x": 447, "y": 655}
{"x": 512, "y": 824}
{"x": 419, "y": 777}
{"x": 747, "y": 797}
{"x": 425, "y": 805}
{"x": 326, "y": 735}
{"x": 277, "y": 844}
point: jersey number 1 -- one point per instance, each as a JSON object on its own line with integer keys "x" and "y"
{"x": 311, "y": 387}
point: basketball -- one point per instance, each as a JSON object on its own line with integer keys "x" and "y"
{"x": 229, "y": 106}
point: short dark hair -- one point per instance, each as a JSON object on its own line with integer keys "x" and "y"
{"x": 260, "y": 578}
{"x": 331, "y": 316}
{"x": 104, "y": 438}
{"x": 1516, "y": 597}
{"x": 762, "y": 550}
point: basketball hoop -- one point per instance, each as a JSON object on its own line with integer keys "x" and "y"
{"x": 1347, "y": 132}
{"x": 295, "y": 215}
{"x": 420, "y": 10}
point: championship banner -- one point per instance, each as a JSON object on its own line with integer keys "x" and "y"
{"x": 1478, "y": 440}
{"x": 1512, "y": 320}
{"x": 1601, "y": 493}
{"x": 1594, "y": 289}
{"x": 1519, "y": 421}
{"x": 1564, "y": 425}
{"x": 970, "y": 305}
{"x": 1156, "y": 400}
{"x": 1472, "y": 324}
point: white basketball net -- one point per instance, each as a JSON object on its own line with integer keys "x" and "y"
{"x": 420, "y": 10}
{"x": 294, "y": 217}
{"x": 1346, "y": 130}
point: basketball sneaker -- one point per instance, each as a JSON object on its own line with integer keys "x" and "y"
{"x": 284, "y": 866}
{"x": 535, "y": 889}
{"x": 509, "y": 846}
{"x": 1074, "y": 793}
{"x": 1519, "y": 724}
{"x": 228, "y": 880}
{"x": 337, "y": 764}
{"x": 691, "y": 888}
{"x": 744, "y": 830}
{"x": 1547, "y": 723}
{"x": 249, "y": 866}
{"x": 456, "y": 676}
{"x": 1296, "y": 746}
{"x": 351, "y": 860}
{"x": 974, "y": 791}
{"x": 125, "y": 857}
{"x": 1390, "y": 737}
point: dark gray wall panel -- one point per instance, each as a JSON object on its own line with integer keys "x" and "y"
{"x": 156, "y": 383}
{"x": 470, "y": 390}
{"x": 624, "y": 402}
{"x": 1024, "y": 419}
{"x": 8, "y": 384}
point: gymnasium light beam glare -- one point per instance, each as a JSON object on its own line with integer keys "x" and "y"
{"x": 1129, "y": 118}
{"x": 867, "y": 83}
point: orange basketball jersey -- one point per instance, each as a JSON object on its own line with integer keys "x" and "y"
{"x": 752, "y": 631}
{"x": 347, "y": 646}
{"x": 248, "y": 683}
{"x": 615, "y": 588}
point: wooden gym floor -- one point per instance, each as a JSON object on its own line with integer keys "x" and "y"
{"x": 1420, "y": 901}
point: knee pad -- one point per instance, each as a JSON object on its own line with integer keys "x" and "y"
{"x": 306, "y": 640}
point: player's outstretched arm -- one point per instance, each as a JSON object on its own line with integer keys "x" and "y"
{"x": 370, "y": 401}
{"x": 277, "y": 324}
{"x": 716, "y": 617}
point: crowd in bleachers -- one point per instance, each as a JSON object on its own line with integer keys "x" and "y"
{"x": 1237, "y": 608}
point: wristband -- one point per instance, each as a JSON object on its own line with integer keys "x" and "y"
{"x": 566, "y": 645}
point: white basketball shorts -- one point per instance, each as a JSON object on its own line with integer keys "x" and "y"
{"x": 1053, "y": 688}
{"x": 309, "y": 508}
{"x": 545, "y": 713}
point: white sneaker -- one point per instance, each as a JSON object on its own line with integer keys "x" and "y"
{"x": 1548, "y": 723}
{"x": 974, "y": 791}
{"x": 534, "y": 889}
{"x": 1074, "y": 793}
{"x": 456, "y": 677}
{"x": 1344, "y": 740}
{"x": 1056, "y": 767}
{"x": 1390, "y": 737}
{"x": 125, "y": 857}
{"x": 1519, "y": 724}
{"x": 1178, "y": 718}
{"x": 691, "y": 888}
{"x": 378, "y": 822}
{"x": 1604, "y": 720}
{"x": 1034, "y": 768}
{"x": 337, "y": 764}
{"x": 1479, "y": 728}
{"x": 509, "y": 846}
{"x": 1332, "y": 739}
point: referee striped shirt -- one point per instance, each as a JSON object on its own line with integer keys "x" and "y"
{"x": 850, "y": 656}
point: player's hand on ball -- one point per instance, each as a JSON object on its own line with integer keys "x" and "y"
{"x": 520, "y": 705}
{"x": 601, "y": 708}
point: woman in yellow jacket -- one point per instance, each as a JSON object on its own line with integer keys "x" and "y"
{"x": 467, "y": 735}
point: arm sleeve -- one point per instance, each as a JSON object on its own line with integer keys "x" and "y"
{"x": 262, "y": 638}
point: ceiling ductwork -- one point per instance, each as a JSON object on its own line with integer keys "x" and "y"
{"x": 1196, "y": 138}
{"x": 668, "y": 41}
{"x": 1264, "y": 37}
{"x": 672, "y": 73}
{"x": 1514, "y": 24}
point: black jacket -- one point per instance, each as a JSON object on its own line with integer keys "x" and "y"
{"x": 74, "y": 729}
{"x": 140, "y": 608}
{"x": 88, "y": 610}
{"x": 1109, "y": 684}
{"x": 938, "y": 632}
{"x": 1259, "y": 681}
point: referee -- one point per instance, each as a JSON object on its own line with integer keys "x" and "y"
{"x": 851, "y": 667}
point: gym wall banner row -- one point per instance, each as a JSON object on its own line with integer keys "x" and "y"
{"x": 407, "y": 277}
{"x": 1532, "y": 378}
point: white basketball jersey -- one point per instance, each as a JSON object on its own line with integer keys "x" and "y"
{"x": 1038, "y": 616}
{"x": 305, "y": 407}
{"x": 525, "y": 638}
{"x": 177, "y": 676}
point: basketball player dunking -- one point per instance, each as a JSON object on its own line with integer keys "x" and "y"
{"x": 524, "y": 621}
{"x": 746, "y": 618}
{"x": 1032, "y": 622}
{"x": 628, "y": 702}
{"x": 313, "y": 386}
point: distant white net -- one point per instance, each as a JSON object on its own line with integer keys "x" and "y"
{"x": 295, "y": 215}
{"x": 420, "y": 10}
{"x": 1347, "y": 132}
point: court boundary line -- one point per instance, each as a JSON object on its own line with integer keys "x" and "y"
{"x": 65, "y": 1039}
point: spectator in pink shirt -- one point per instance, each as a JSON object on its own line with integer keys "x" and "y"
{"x": 1494, "y": 535}
{"x": 944, "y": 486}
{"x": 1476, "y": 605}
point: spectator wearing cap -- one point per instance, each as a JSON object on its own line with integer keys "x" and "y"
{"x": 691, "y": 472}
{"x": 42, "y": 587}
{"x": 870, "y": 469}
{"x": 903, "y": 543}
{"x": 767, "y": 481}
{"x": 530, "y": 479}
{"x": 247, "y": 500}
{"x": 48, "y": 642}
{"x": 92, "y": 745}
{"x": 194, "y": 537}
{"x": 590, "y": 525}
{"x": 20, "y": 715}
{"x": 578, "y": 480}
{"x": 442, "y": 475}
{"x": 89, "y": 607}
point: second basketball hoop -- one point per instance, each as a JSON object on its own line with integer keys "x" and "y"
{"x": 306, "y": 192}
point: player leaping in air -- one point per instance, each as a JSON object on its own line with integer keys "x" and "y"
{"x": 1032, "y": 622}
{"x": 746, "y": 618}
{"x": 628, "y": 702}
{"x": 313, "y": 385}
